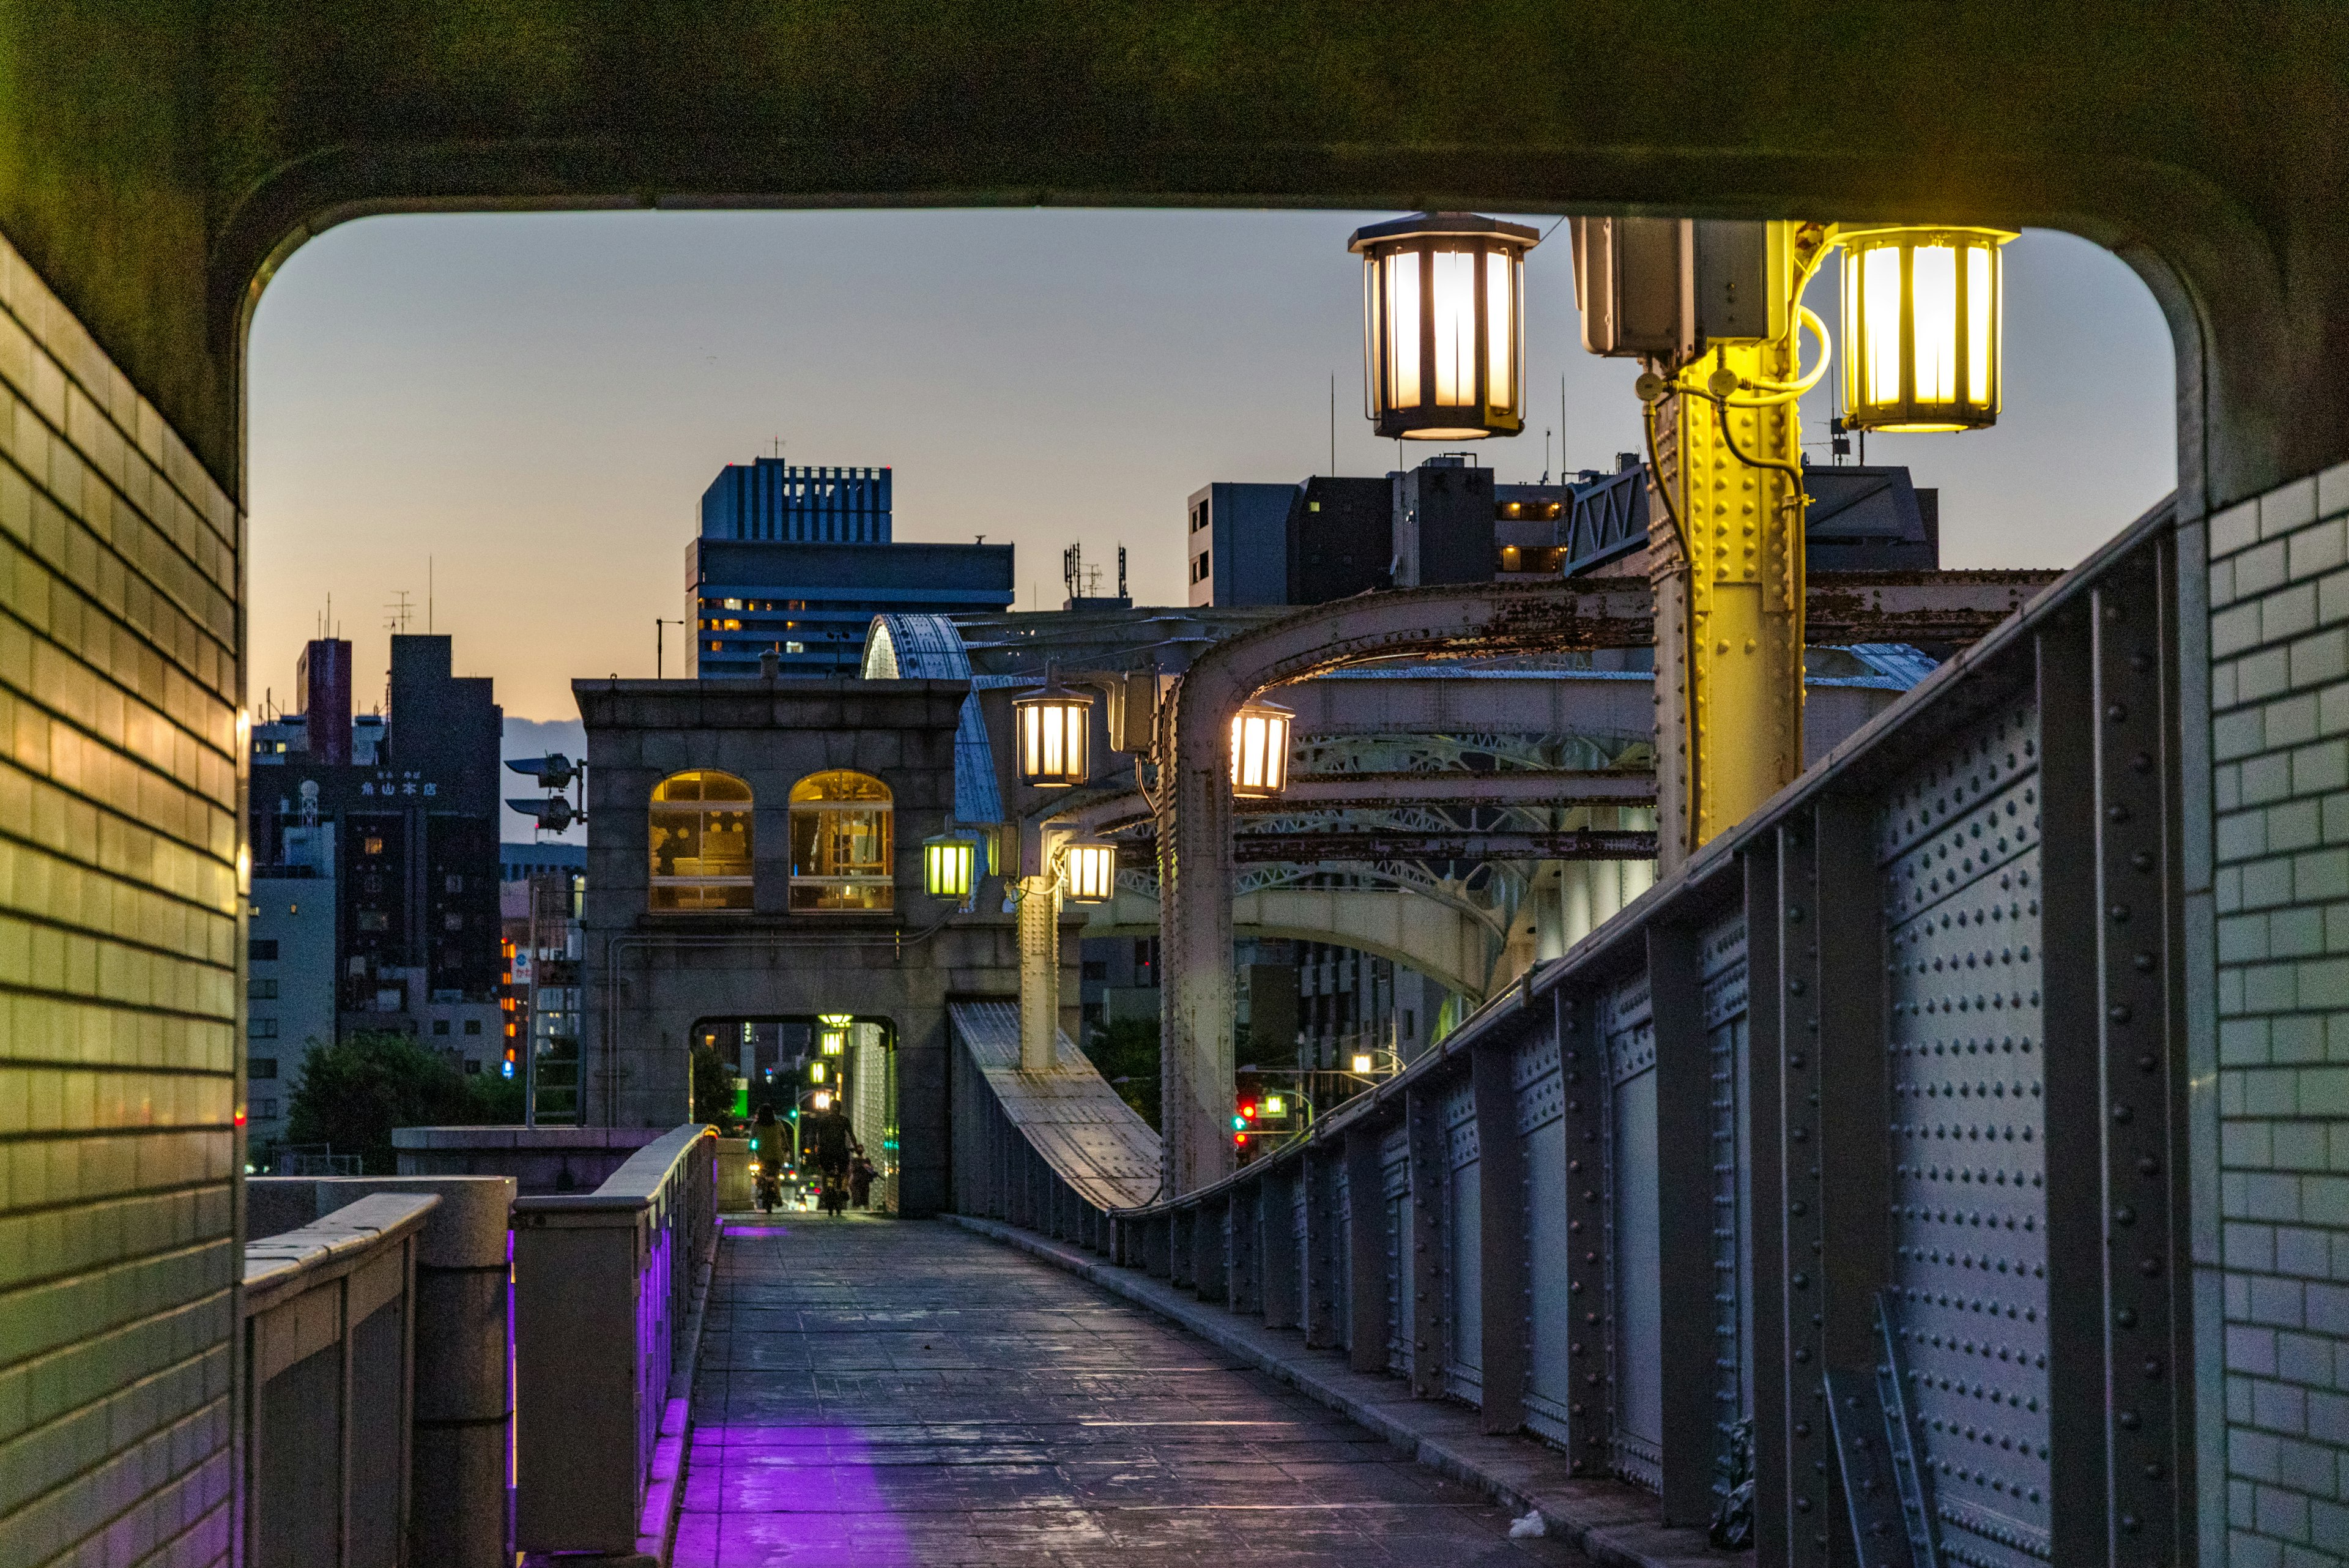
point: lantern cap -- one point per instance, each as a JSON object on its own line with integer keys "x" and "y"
{"x": 1264, "y": 705}
{"x": 1420, "y": 224}
{"x": 1847, "y": 232}
{"x": 1052, "y": 690}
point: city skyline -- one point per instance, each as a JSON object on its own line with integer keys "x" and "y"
{"x": 526, "y": 408}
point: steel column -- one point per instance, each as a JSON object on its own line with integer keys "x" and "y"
{"x": 1039, "y": 972}
{"x": 1210, "y": 1272}
{"x": 1767, "y": 1047}
{"x": 1245, "y": 1289}
{"x": 1322, "y": 1234}
{"x": 1738, "y": 715}
{"x": 1280, "y": 1260}
{"x": 1366, "y": 1265}
{"x": 1582, "y": 1065}
{"x": 1685, "y": 1211}
{"x": 1424, "y": 1247}
{"x": 1501, "y": 1242}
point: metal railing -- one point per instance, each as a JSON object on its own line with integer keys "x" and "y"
{"x": 613, "y": 1272}
{"x": 329, "y": 1329}
{"x": 1812, "y": 1159}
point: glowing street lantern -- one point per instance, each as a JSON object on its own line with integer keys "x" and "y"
{"x": 815, "y": 1072}
{"x": 1921, "y": 321}
{"x": 833, "y": 1042}
{"x": 1089, "y": 872}
{"x": 1444, "y": 325}
{"x": 822, "y": 1100}
{"x": 1055, "y": 732}
{"x": 949, "y": 866}
{"x": 1260, "y": 749}
{"x": 1363, "y": 1062}
{"x": 1274, "y": 1105}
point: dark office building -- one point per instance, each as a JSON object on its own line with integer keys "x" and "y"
{"x": 414, "y": 803}
{"x": 1449, "y": 521}
{"x": 780, "y": 503}
{"x": 797, "y": 562}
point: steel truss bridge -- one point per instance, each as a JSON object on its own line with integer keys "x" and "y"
{"x": 1858, "y": 1152}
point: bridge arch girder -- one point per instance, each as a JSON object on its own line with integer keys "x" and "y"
{"x": 1441, "y": 941}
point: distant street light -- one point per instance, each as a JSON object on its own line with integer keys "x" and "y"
{"x": 1921, "y": 309}
{"x": 1089, "y": 872}
{"x": 949, "y": 866}
{"x": 1444, "y": 325}
{"x": 1260, "y": 749}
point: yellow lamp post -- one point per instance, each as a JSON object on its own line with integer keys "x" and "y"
{"x": 1921, "y": 327}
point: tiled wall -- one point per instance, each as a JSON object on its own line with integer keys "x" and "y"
{"x": 119, "y": 762}
{"x": 2280, "y": 743}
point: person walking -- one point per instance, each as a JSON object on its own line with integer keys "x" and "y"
{"x": 860, "y": 1180}
{"x": 834, "y": 1141}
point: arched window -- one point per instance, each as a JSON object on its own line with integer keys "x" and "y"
{"x": 840, "y": 843}
{"x": 701, "y": 842}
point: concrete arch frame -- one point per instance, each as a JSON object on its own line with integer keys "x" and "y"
{"x": 165, "y": 159}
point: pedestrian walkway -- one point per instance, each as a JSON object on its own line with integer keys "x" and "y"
{"x": 875, "y": 1392}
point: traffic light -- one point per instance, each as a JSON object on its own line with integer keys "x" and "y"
{"x": 552, "y": 814}
{"x": 554, "y": 770}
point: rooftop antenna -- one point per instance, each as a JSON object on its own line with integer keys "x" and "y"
{"x": 1545, "y": 478}
{"x": 1334, "y": 433}
{"x": 397, "y": 614}
{"x": 1121, "y": 572}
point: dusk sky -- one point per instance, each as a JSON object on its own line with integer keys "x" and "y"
{"x": 534, "y": 403}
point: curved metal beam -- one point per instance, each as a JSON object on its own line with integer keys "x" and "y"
{"x": 1403, "y": 925}
{"x": 1195, "y": 804}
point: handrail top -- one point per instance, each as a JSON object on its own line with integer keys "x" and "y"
{"x": 333, "y": 1245}
{"x": 635, "y": 1186}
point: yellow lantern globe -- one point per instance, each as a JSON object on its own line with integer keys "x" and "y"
{"x": 949, "y": 866}
{"x": 1921, "y": 328}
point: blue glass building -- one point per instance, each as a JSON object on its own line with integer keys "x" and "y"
{"x": 798, "y": 560}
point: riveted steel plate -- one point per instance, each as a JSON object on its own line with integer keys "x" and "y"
{"x": 1534, "y": 1071}
{"x": 1960, "y": 852}
{"x": 1634, "y": 1261}
{"x": 1721, "y": 957}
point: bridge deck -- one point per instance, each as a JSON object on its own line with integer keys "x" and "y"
{"x": 875, "y": 1392}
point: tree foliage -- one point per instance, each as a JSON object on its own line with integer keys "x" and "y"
{"x": 713, "y": 1087}
{"x": 1126, "y": 1052}
{"x": 352, "y": 1093}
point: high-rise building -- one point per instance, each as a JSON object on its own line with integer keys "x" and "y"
{"x": 290, "y": 985}
{"x": 778, "y": 502}
{"x": 411, "y": 798}
{"x": 796, "y": 561}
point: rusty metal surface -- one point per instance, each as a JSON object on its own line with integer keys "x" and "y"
{"x": 1318, "y": 848}
{"x": 1915, "y": 607}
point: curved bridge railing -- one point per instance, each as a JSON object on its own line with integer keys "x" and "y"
{"x": 1854, "y": 1154}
